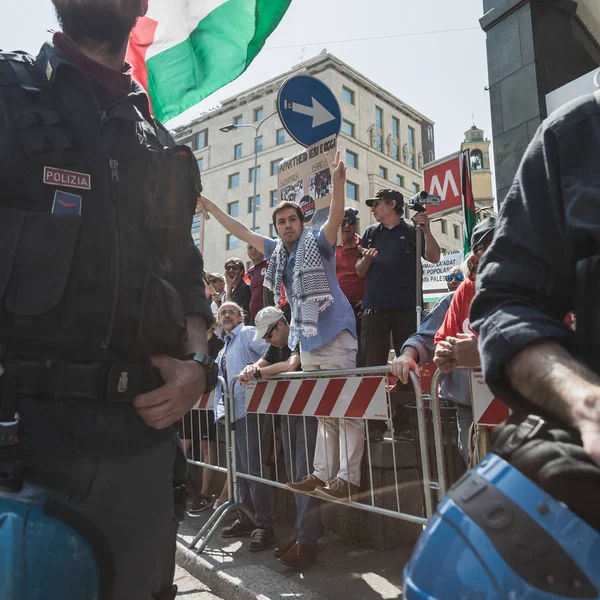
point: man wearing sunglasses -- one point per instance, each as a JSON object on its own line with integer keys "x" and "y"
{"x": 272, "y": 326}
{"x": 236, "y": 289}
{"x": 351, "y": 284}
{"x": 454, "y": 278}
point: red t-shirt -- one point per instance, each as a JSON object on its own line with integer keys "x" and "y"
{"x": 351, "y": 284}
{"x": 257, "y": 273}
{"x": 457, "y": 317}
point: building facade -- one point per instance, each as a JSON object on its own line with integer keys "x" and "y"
{"x": 383, "y": 141}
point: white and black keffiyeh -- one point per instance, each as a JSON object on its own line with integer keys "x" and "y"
{"x": 311, "y": 293}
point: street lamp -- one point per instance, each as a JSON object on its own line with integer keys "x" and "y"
{"x": 233, "y": 127}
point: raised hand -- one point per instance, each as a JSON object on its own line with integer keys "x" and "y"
{"x": 337, "y": 168}
{"x": 203, "y": 203}
{"x": 369, "y": 253}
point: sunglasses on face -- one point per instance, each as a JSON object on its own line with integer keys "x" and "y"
{"x": 213, "y": 281}
{"x": 457, "y": 276}
{"x": 231, "y": 268}
{"x": 348, "y": 221}
{"x": 270, "y": 331}
{"x": 230, "y": 313}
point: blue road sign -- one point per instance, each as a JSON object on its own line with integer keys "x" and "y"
{"x": 308, "y": 110}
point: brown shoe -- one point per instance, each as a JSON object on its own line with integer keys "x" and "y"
{"x": 284, "y": 548}
{"x": 308, "y": 484}
{"x": 300, "y": 556}
{"x": 338, "y": 490}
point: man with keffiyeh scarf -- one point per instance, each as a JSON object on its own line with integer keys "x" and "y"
{"x": 303, "y": 259}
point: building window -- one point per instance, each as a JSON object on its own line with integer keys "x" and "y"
{"x": 256, "y": 200}
{"x": 272, "y": 231}
{"x": 443, "y": 226}
{"x": 196, "y": 227}
{"x": 378, "y": 118}
{"x": 258, "y": 144}
{"x": 258, "y": 114}
{"x": 280, "y": 137}
{"x": 347, "y": 95}
{"x": 189, "y": 143}
{"x": 202, "y": 139}
{"x": 233, "y": 209}
{"x": 251, "y": 174}
{"x": 351, "y": 190}
{"x": 430, "y": 133}
{"x": 201, "y": 164}
{"x": 275, "y": 166}
{"x": 237, "y": 152}
{"x": 430, "y": 156}
{"x": 274, "y": 197}
{"x": 348, "y": 128}
{"x": 416, "y": 188}
{"x": 231, "y": 242}
{"x": 395, "y": 151}
{"x": 395, "y": 127}
{"x": 379, "y": 143}
{"x": 239, "y": 120}
{"x": 382, "y": 172}
{"x": 400, "y": 180}
{"x": 456, "y": 231}
{"x": 351, "y": 159}
{"x": 411, "y": 147}
{"x": 234, "y": 181}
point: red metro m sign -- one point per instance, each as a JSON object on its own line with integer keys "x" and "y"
{"x": 443, "y": 178}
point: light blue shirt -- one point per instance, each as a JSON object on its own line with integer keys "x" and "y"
{"x": 242, "y": 350}
{"x": 338, "y": 316}
{"x": 455, "y": 386}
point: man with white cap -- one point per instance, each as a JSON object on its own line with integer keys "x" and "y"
{"x": 272, "y": 326}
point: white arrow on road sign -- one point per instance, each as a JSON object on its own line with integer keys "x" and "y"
{"x": 317, "y": 111}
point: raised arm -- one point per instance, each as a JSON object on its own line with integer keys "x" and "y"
{"x": 232, "y": 225}
{"x": 338, "y": 197}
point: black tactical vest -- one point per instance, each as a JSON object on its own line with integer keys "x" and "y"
{"x": 95, "y": 219}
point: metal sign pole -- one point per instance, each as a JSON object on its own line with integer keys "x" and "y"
{"x": 419, "y": 307}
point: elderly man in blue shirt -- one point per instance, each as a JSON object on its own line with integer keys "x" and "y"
{"x": 322, "y": 323}
{"x": 419, "y": 349}
{"x": 239, "y": 350}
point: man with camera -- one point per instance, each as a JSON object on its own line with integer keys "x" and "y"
{"x": 388, "y": 261}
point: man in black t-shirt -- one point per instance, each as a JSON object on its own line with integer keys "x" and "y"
{"x": 272, "y": 326}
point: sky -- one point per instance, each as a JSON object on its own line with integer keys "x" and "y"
{"x": 443, "y": 75}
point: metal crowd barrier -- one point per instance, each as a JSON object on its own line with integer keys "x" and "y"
{"x": 287, "y": 392}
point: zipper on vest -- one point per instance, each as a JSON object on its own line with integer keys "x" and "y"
{"x": 114, "y": 172}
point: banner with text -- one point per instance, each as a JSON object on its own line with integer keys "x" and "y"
{"x": 434, "y": 275}
{"x": 305, "y": 179}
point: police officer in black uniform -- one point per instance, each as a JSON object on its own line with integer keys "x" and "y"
{"x": 543, "y": 263}
{"x": 103, "y": 313}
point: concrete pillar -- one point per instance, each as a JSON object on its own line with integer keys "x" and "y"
{"x": 533, "y": 48}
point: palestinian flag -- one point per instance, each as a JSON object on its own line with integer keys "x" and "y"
{"x": 468, "y": 202}
{"x": 184, "y": 50}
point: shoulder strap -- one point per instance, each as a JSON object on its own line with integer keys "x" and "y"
{"x": 18, "y": 68}
{"x": 370, "y": 232}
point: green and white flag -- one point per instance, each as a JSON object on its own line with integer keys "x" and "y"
{"x": 184, "y": 50}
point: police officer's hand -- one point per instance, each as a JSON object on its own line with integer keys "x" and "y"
{"x": 370, "y": 253}
{"x": 184, "y": 383}
{"x": 402, "y": 365}
{"x": 203, "y": 203}
{"x": 423, "y": 220}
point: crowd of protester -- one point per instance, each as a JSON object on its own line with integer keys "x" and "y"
{"x": 329, "y": 299}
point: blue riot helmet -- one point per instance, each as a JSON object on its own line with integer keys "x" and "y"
{"x": 50, "y": 552}
{"x": 497, "y": 535}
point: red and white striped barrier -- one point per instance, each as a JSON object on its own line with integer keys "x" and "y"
{"x": 344, "y": 397}
{"x": 205, "y": 402}
{"x": 487, "y": 409}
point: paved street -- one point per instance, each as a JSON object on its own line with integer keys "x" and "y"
{"x": 190, "y": 588}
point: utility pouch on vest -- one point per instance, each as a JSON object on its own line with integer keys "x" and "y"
{"x": 162, "y": 319}
{"x": 174, "y": 200}
{"x": 36, "y": 252}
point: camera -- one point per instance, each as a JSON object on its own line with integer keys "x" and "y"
{"x": 417, "y": 201}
